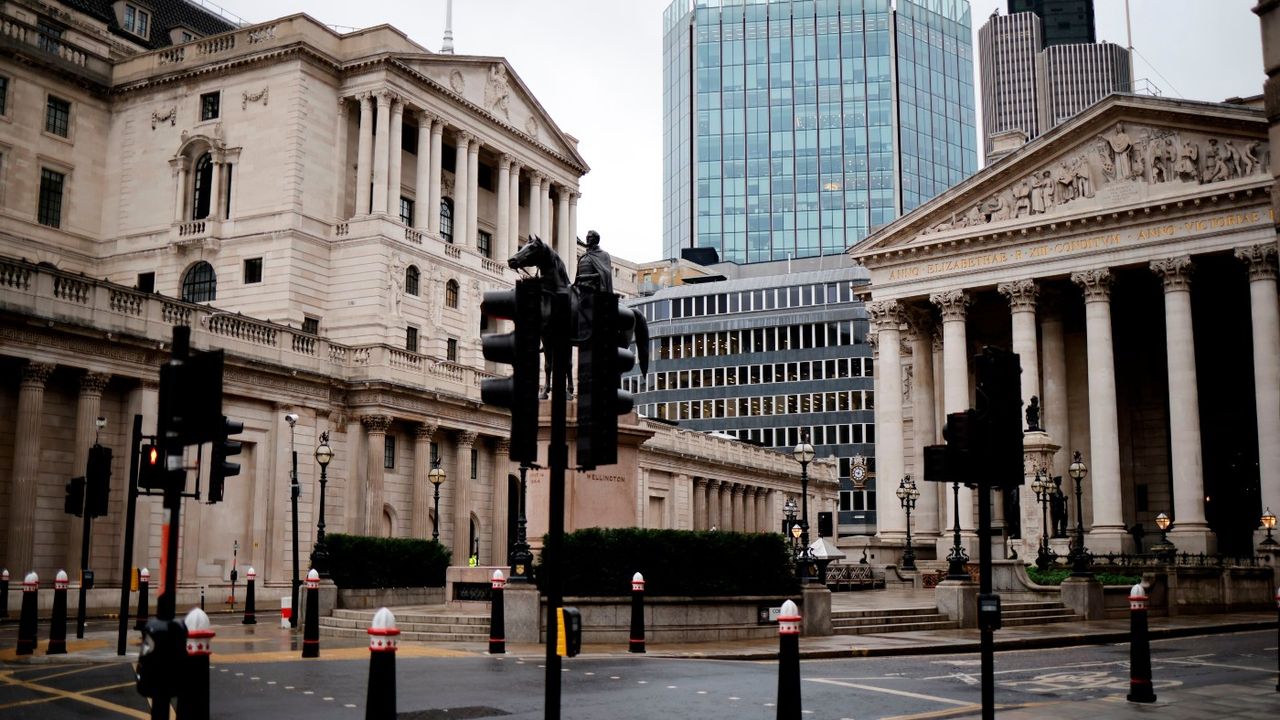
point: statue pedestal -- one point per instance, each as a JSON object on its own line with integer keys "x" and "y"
{"x": 1038, "y": 450}
{"x": 958, "y": 600}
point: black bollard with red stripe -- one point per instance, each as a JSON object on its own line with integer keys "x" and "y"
{"x": 380, "y": 700}
{"x": 58, "y": 623}
{"x": 1140, "y": 690}
{"x": 789, "y": 662}
{"x": 144, "y": 584}
{"x": 497, "y": 616}
{"x": 193, "y": 699}
{"x": 637, "y": 614}
{"x": 27, "y": 620}
{"x": 311, "y": 623}
{"x": 249, "y": 617}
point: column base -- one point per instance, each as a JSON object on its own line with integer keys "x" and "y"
{"x": 1194, "y": 539}
{"x": 958, "y": 600}
{"x": 521, "y": 609}
{"x": 816, "y": 612}
{"x": 1084, "y": 596}
{"x": 1103, "y": 539}
{"x": 943, "y": 544}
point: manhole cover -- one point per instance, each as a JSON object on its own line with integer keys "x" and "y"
{"x": 452, "y": 713}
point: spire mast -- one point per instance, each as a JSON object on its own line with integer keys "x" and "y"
{"x": 447, "y": 47}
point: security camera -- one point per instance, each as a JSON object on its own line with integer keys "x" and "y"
{"x": 291, "y": 418}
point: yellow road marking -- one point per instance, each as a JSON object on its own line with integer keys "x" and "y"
{"x": 42, "y": 678}
{"x": 74, "y": 646}
{"x": 958, "y": 712}
{"x": 37, "y": 701}
{"x": 902, "y": 693}
{"x": 348, "y": 653}
{"x": 78, "y": 697}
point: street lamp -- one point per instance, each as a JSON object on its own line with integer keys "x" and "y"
{"x": 1164, "y": 548}
{"x": 295, "y": 490}
{"x": 907, "y": 494}
{"x": 320, "y": 557}
{"x": 1043, "y": 488}
{"x": 1268, "y": 522}
{"x": 437, "y": 476}
{"x": 521, "y": 559}
{"x": 1079, "y": 555}
{"x": 803, "y": 453}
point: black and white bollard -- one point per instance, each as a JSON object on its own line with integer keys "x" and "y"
{"x": 311, "y": 623}
{"x": 58, "y": 623}
{"x": 789, "y": 662}
{"x": 249, "y": 618}
{"x": 380, "y": 701}
{"x": 193, "y": 699}
{"x": 637, "y": 614}
{"x": 1140, "y": 690}
{"x": 144, "y": 584}
{"x": 27, "y": 620}
{"x": 497, "y": 616}
{"x": 4, "y": 596}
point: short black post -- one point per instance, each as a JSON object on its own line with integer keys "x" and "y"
{"x": 58, "y": 623}
{"x": 4, "y": 596}
{"x": 789, "y": 662}
{"x": 193, "y": 698}
{"x": 497, "y": 616}
{"x": 637, "y": 614}
{"x": 380, "y": 701}
{"x": 1140, "y": 690}
{"x": 27, "y": 620}
{"x": 249, "y": 618}
{"x": 1278, "y": 635}
{"x": 202, "y": 597}
{"x": 311, "y": 623}
{"x": 144, "y": 584}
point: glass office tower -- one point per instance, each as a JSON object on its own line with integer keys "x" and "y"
{"x": 793, "y": 127}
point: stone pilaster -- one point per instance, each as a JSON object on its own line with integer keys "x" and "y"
{"x": 713, "y": 504}
{"x": 502, "y": 237}
{"x": 535, "y": 205}
{"x": 381, "y": 154}
{"x": 925, "y": 518}
{"x": 461, "y": 181}
{"x": 364, "y": 157}
{"x": 423, "y": 209}
{"x": 573, "y": 218}
{"x": 739, "y": 508}
{"x": 437, "y": 149}
{"x": 88, "y": 406}
{"x": 375, "y": 427}
{"x": 26, "y": 467}
{"x": 473, "y": 193}
{"x": 700, "y": 504}
{"x": 566, "y": 242}
{"x": 1261, "y": 261}
{"x": 423, "y": 492}
{"x": 513, "y": 240}
{"x": 726, "y": 505}
{"x": 501, "y": 511}
{"x": 395, "y": 157}
{"x": 461, "y": 488}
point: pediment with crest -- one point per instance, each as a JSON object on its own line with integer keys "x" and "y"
{"x": 1125, "y": 152}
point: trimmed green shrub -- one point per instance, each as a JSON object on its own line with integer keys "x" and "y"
{"x": 601, "y": 561}
{"x": 359, "y": 561}
{"x": 1055, "y": 576}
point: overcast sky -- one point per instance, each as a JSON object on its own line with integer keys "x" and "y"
{"x": 595, "y": 65}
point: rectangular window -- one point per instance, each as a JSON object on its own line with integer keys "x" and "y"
{"x": 451, "y": 350}
{"x": 4, "y": 94}
{"x": 147, "y": 282}
{"x": 435, "y": 453}
{"x": 57, "y": 116}
{"x": 475, "y": 463}
{"x": 311, "y": 325}
{"x": 50, "y": 211}
{"x": 484, "y": 243}
{"x": 136, "y": 20}
{"x": 49, "y": 35}
{"x": 389, "y": 451}
{"x": 210, "y": 105}
{"x": 406, "y": 211}
{"x": 252, "y": 270}
{"x": 411, "y": 339}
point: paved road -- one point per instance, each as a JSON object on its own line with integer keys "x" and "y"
{"x": 1054, "y": 683}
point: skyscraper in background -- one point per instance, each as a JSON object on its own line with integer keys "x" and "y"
{"x": 1065, "y": 22}
{"x": 793, "y": 127}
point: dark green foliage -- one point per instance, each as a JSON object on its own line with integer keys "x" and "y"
{"x": 358, "y": 561}
{"x": 600, "y": 562}
{"x": 1055, "y": 576}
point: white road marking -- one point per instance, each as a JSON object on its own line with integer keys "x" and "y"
{"x": 890, "y": 691}
{"x": 702, "y": 692}
{"x": 1217, "y": 665}
{"x": 349, "y": 705}
{"x": 271, "y": 682}
{"x": 588, "y": 673}
{"x": 328, "y": 699}
{"x": 671, "y": 687}
{"x": 1016, "y": 671}
{"x": 288, "y": 687}
{"x": 614, "y": 677}
{"x": 308, "y": 692}
{"x": 734, "y": 698}
{"x": 642, "y": 682}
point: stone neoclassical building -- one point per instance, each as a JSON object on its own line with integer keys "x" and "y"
{"x": 1129, "y": 257}
{"x": 329, "y": 208}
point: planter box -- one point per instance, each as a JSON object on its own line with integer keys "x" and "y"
{"x": 374, "y": 598}
{"x": 677, "y": 619}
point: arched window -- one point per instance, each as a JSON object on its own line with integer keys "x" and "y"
{"x": 202, "y": 188}
{"x": 411, "y": 276}
{"x": 199, "y": 284}
{"x": 446, "y": 219}
{"x": 451, "y": 294}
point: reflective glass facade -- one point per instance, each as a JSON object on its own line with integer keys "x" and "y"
{"x": 794, "y": 127}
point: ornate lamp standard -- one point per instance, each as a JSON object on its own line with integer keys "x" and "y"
{"x": 803, "y": 453}
{"x": 1043, "y": 488}
{"x": 907, "y": 494}
{"x": 521, "y": 559}
{"x": 1079, "y": 555}
{"x": 320, "y": 557}
{"x": 437, "y": 477}
{"x": 1268, "y": 522}
{"x": 789, "y": 509}
{"x": 1164, "y": 548}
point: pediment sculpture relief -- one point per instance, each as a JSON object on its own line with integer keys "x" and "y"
{"x": 1123, "y": 164}
{"x": 497, "y": 91}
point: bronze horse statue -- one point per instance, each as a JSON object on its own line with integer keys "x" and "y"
{"x": 555, "y": 279}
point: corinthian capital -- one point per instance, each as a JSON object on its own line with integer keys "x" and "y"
{"x": 36, "y": 374}
{"x": 1261, "y": 260}
{"x": 885, "y": 314}
{"x": 954, "y": 304}
{"x": 92, "y": 383}
{"x": 426, "y": 431}
{"x": 1096, "y": 284}
{"x": 462, "y": 137}
{"x": 467, "y": 438}
{"x": 1175, "y": 271}
{"x": 376, "y": 423}
{"x": 1021, "y": 294}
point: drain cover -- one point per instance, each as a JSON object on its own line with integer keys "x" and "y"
{"x": 460, "y": 713}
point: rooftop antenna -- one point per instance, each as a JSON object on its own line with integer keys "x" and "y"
{"x": 1128, "y": 29}
{"x": 447, "y": 47}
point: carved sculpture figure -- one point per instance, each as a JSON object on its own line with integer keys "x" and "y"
{"x": 397, "y": 280}
{"x": 1037, "y": 193}
{"x": 497, "y": 91}
{"x": 974, "y": 217}
{"x": 1121, "y": 147}
{"x": 1235, "y": 163}
{"x": 1159, "y": 173}
{"x": 1021, "y": 198}
{"x": 1188, "y": 167}
{"x": 1249, "y": 156}
{"x": 1033, "y": 414}
{"x": 1049, "y": 186}
{"x": 996, "y": 208}
{"x": 1215, "y": 164}
{"x": 1084, "y": 183}
{"x": 1066, "y": 182}
{"x": 595, "y": 267}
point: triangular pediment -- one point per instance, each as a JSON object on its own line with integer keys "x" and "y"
{"x": 493, "y": 87}
{"x": 1126, "y": 151}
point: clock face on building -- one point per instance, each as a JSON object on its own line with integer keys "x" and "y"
{"x": 859, "y": 472}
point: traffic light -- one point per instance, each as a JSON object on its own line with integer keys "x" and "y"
{"x": 519, "y": 349}
{"x": 569, "y": 637}
{"x": 954, "y": 462}
{"x": 999, "y": 409}
{"x": 74, "y": 502}
{"x": 151, "y": 471}
{"x": 223, "y": 447}
{"x": 160, "y": 658}
{"x": 602, "y": 360}
{"x": 98, "y": 486}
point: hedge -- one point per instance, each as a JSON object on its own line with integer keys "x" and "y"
{"x": 359, "y": 561}
{"x": 1055, "y": 576}
{"x": 600, "y": 562}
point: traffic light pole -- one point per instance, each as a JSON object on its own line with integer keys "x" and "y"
{"x": 84, "y": 567}
{"x": 166, "y": 604}
{"x": 130, "y": 519}
{"x": 557, "y": 462}
{"x": 987, "y": 639}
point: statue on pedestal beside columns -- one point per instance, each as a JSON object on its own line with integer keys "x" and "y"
{"x": 1033, "y": 415}
{"x": 595, "y": 267}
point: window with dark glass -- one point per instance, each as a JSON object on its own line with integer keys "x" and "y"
{"x": 406, "y": 211}
{"x": 409, "y": 140}
{"x": 4, "y": 94}
{"x": 146, "y": 282}
{"x": 451, "y": 294}
{"x": 210, "y": 105}
{"x": 484, "y": 243}
{"x": 389, "y": 452}
{"x": 451, "y": 350}
{"x": 48, "y": 36}
{"x": 311, "y": 325}
{"x": 202, "y": 187}
{"x": 411, "y": 339}
{"x": 411, "y": 278}
{"x": 50, "y": 210}
{"x": 252, "y": 270}
{"x": 446, "y": 219}
{"x": 57, "y": 116}
{"x": 199, "y": 284}
{"x": 136, "y": 20}
{"x": 475, "y": 463}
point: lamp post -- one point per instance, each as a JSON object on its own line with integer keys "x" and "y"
{"x": 320, "y": 557}
{"x": 1079, "y": 555}
{"x": 521, "y": 559}
{"x": 294, "y": 491}
{"x": 907, "y": 494}
{"x": 803, "y": 453}
{"x": 437, "y": 477}
{"x": 957, "y": 558}
{"x": 1268, "y": 522}
{"x": 1043, "y": 488}
{"x": 1165, "y": 548}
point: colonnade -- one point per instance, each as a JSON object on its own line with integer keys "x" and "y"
{"x": 731, "y": 506}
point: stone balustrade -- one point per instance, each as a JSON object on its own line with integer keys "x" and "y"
{"x": 16, "y": 33}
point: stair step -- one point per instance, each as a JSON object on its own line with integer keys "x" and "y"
{"x": 896, "y": 627}
{"x": 1056, "y": 612}
{"x": 882, "y": 611}
{"x": 1019, "y": 622}
{"x": 409, "y": 636}
{"x": 888, "y": 620}
{"x": 437, "y": 628}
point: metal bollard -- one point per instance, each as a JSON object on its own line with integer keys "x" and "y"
{"x": 144, "y": 584}
{"x": 58, "y": 623}
{"x": 497, "y": 616}
{"x": 1140, "y": 690}
{"x": 286, "y": 612}
{"x": 193, "y": 699}
{"x": 311, "y": 623}
{"x": 27, "y": 620}
{"x": 789, "y": 662}
{"x": 249, "y": 617}
{"x": 380, "y": 700}
{"x": 4, "y": 596}
{"x": 637, "y": 614}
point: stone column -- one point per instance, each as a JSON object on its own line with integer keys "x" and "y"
{"x": 887, "y": 317}
{"x": 750, "y": 514}
{"x": 1104, "y": 436}
{"x": 1053, "y": 400}
{"x": 423, "y": 210}
{"x": 501, "y": 249}
{"x": 375, "y": 427}
{"x": 420, "y": 518}
{"x": 925, "y": 516}
{"x": 437, "y": 147}
{"x": 364, "y": 156}
{"x": 473, "y": 193}
{"x": 88, "y": 406}
{"x": 700, "y": 503}
{"x": 180, "y": 206}
{"x": 713, "y": 504}
{"x": 462, "y": 499}
{"x": 573, "y": 218}
{"x": 513, "y": 216}
{"x": 764, "y": 519}
{"x": 501, "y": 512}
{"x": 562, "y": 227}
{"x": 954, "y": 305}
{"x": 1022, "y": 296}
{"x": 535, "y": 205}
{"x": 1191, "y": 532}
{"x": 395, "y": 157}
{"x": 340, "y": 149}
{"x": 546, "y": 213}
{"x": 26, "y": 467}
{"x": 739, "y": 508}
{"x": 1261, "y": 260}
{"x": 381, "y": 156}
{"x": 726, "y": 505}
{"x": 215, "y": 192}
{"x": 461, "y": 181}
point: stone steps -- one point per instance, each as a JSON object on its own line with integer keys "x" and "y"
{"x": 864, "y": 622}
{"x": 415, "y": 625}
